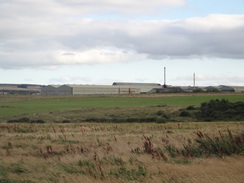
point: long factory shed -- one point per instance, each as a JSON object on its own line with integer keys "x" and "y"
{"x": 88, "y": 89}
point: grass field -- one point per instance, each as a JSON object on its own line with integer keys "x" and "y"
{"x": 15, "y": 105}
{"x": 91, "y": 152}
{"x": 179, "y": 151}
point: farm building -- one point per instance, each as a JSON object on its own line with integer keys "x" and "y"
{"x": 88, "y": 89}
{"x": 144, "y": 87}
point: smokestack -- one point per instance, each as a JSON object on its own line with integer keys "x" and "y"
{"x": 165, "y": 86}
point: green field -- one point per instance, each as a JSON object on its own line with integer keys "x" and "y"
{"x": 107, "y": 139}
{"x": 17, "y": 105}
{"x": 70, "y": 103}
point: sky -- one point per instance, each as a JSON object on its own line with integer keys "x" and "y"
{"x": 105, "y": 41}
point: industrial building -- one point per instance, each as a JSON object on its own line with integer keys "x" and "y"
{"x": 89, "y": 89}
{"x": 50, "y": 90}
{"x": 144, "y": 87}
{"x": 130, "y": 88}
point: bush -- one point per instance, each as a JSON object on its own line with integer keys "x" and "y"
{"x": 185, "y": 114}
{"x": 189, "y": 108}
{"x": 215, "y": 110}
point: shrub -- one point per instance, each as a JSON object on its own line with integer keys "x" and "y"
{"x": 185, "y": 114}
{"x": 215, "y": 110}
{"x": 190, "y": 108}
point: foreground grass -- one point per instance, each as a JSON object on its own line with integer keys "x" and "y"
{"x": 132, "y": 152}
{"x": 16, "y": 105}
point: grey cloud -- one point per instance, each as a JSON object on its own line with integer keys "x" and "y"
{"x": 37, "y": 37}
{"x": 169, "y": 39}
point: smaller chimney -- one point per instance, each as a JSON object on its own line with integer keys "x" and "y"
{"x": 194, "y": 81}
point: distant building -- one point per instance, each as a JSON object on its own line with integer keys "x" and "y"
{"x": 50, "y": 90}
{"x": 132, "y": 88}
{"x": 144, "y": 87}
{"x": 238, "y": 89}
{"x": 88, "y": 89}
{"x": 167, "y": 90}
{"x": 224, "y": 88}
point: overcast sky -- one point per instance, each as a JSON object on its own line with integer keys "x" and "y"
{"x": 102, "y": 41}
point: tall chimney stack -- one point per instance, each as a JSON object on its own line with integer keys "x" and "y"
{"x": 165, "y": 86}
